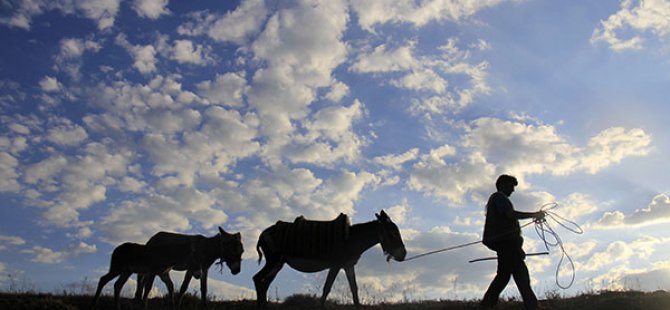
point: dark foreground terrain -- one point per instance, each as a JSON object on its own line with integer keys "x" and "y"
{"x": 629, "y": 300}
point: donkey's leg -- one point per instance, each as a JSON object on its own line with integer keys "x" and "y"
{"x": 103, "y": 281}
{"x": 148, "y": 285}
{"x": 138, "y": 287}
{"x": 332, "y": 274}
{"x": 165, "y": 276}
{"x": 351, "y": 277}
{"x": 118, "y": 285}
{"x": 184, "y": 287}
{"x": 203, "y": 287}
{"x": 262, "y": 280}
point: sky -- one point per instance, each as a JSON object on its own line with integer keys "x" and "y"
{"x": 120, "y": 119}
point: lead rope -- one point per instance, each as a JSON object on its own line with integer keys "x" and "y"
{"x": 462, "y": 245}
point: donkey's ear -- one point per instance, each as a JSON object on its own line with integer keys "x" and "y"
{"x": 222, "y": 231}
{"x": 378, "y": 217}
{"x": 384, "y": 216}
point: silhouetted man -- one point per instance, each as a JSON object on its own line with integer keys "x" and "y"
{"x": 502, "y": 234}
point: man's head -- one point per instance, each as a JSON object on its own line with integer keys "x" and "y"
{"x": 505, "y": 184}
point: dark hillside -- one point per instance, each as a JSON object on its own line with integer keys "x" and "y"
{"x": 609, "y": 300}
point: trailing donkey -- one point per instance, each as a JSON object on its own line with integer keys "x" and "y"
{"x": 129, "y": 258}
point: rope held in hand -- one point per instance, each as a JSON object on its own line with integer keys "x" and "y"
{"x": 544, "y": 229}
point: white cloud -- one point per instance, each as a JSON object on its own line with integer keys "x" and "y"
{"x": 152, "y": 9}
{"x": 9, "y": 176}
{"x": 383, "y": 60}
{"x": 301, "y": 45}
{"x": 69, "y": 58}
{"x": 649, "y": 280}
{"x": 525, "y": 148}
{"x": 45, "y": 170}
{"x": 497, "y": 146}
{"x": 641, "y": 16}
{"x": 24, "y": 11}
{"x": 144, "y": 56}
{"x": 75, "y": 183}
{"x": 155, "y": 213}
{"x": 226, "y": 89}
{"x": 130, "y": 184}
{"x": 612, "y": 145}
{"x": 50, "y": 84}
{"x": 177, "y": 209}
{"x": 398, "y": 213}
{"x": 451, "y": 180}
{"x": 374, "y": 12}
{"x": 225, "y": 137}
{"x": 45, "y": 255}
{"x": 337, "y": 91}
{"x": 156, "y": 107}
{"x": 19, "y": 128}
{"x": 10, "y": 241}
{"x": 101, "y": 11}
{"x": 621, "y": 252}
{"x": 330, "y": 137}
{"x": 67, "y": 135}
{"x": 658, "y": 211}
{"x": 396, "y": 161}
{"x": 185, "y": 52}
{"x": 580, "y": 250}
{"x": 576, "y": 206}
{"x": 235, "y": 26}
{"x": 436, "y": 79}
{"x": 72, "y": 48}
{"x": 422, "y": 80}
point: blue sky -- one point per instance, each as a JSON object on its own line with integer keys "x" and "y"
{"x": 123, "y": 118}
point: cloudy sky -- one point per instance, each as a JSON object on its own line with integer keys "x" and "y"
{"x": 124, "y": 118}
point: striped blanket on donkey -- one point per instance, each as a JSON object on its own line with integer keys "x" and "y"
{"x": 313, "y": 239}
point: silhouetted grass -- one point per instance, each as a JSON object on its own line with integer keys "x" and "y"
{"x": 607, "y": 300}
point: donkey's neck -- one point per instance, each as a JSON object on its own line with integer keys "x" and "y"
{"x": 211, "y": 250}
{"x": 363, "y": 236}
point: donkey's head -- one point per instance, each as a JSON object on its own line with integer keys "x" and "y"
{"x": 390, "y": 238}
{"x": 231, "y": 250}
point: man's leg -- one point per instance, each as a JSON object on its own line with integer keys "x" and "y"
{"x": 503, "y": 275}
{"x": 522, "y": 280}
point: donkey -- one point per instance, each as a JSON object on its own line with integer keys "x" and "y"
{"x": 129, "y": 258}
{"x": 205, "y": 250}
{"x": 361, "y": 237}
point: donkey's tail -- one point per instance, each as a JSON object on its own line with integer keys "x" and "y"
{"x": 260, "y": 253}
{"x": 258, "y": 247}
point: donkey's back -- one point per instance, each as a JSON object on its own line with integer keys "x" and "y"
{"x": 139, "y": 258}
{"x": 306, "y": 238}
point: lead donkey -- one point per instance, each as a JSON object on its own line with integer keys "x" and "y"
{"x": 312, "y": 246}
{"x": 204, "y": 251}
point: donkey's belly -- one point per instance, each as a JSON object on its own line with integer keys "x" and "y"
{"x": 308, "y": 265}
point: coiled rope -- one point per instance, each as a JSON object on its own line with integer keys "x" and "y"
{"x": 545, "y": 232}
